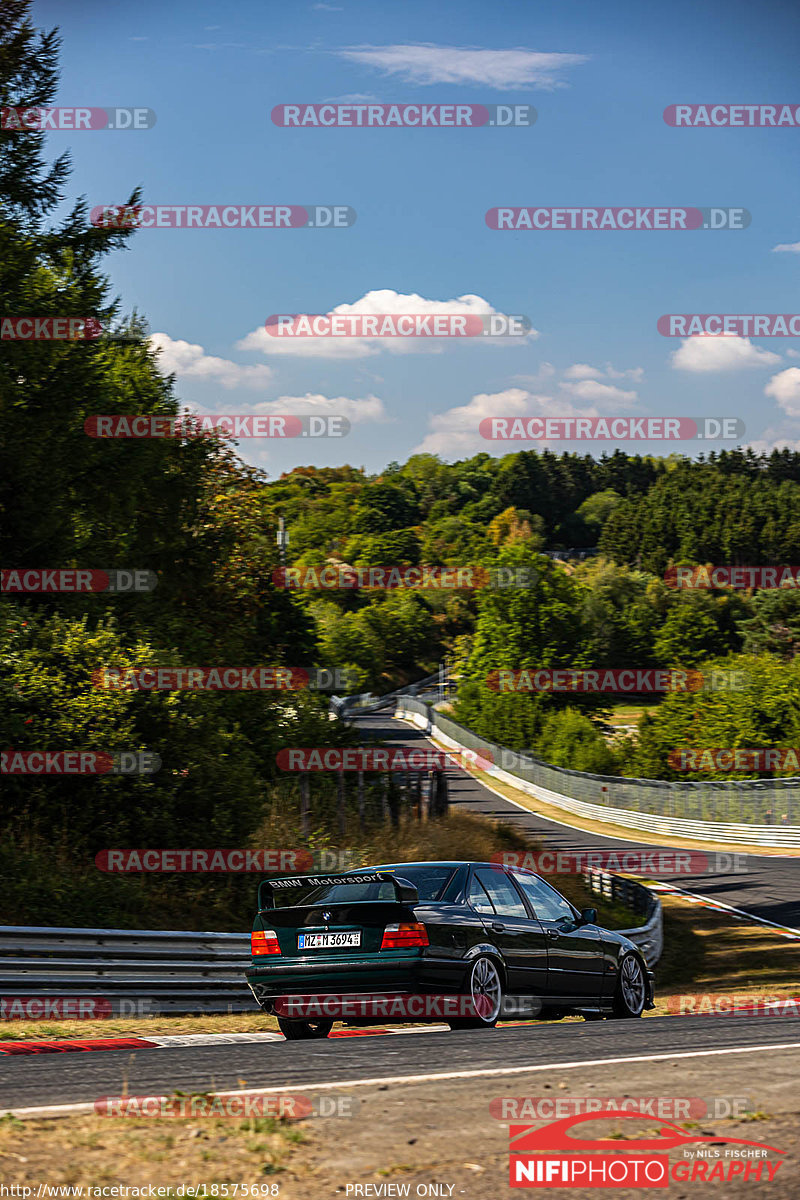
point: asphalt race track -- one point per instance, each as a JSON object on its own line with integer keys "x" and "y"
{"x": 499, "y": 1053}
{"x": 770, "y": 887}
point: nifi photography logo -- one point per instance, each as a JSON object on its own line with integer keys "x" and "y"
{"x": 552, "y": 1156}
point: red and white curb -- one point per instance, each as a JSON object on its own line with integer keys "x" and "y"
{"x": 739, "y": 913}
{"x": 66, "y": 1045}
{"x": 168, "y": 1041}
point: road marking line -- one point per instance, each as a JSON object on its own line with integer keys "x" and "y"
{"x": 69, "y": 1109}
{"x": 719, "y": 906}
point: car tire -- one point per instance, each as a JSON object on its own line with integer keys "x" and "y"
{"x": 485, "y": 987}
{"x": 296, "y": 1031}
{"x": 631, "y": 990}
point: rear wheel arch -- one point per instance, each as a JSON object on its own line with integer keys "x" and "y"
{"x": 486, "y": 950}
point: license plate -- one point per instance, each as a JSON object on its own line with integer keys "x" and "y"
{"x": 322, "y": 941}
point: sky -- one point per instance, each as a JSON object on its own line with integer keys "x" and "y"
{"x": 599, "y": 77}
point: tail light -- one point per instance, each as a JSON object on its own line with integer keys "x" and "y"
{"x": 398, "y": 937}
{"x": 264, "y": 941}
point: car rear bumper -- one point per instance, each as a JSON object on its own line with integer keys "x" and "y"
{"x": 407, "y": 974}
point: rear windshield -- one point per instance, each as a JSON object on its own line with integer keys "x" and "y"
{"x": 429, "y": 881}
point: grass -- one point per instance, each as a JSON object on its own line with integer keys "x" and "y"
{"x": 711, "y": 952}
{"x": 38, "y": 884}
{"x": 135, "y": 1151}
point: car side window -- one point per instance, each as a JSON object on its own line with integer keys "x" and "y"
{"x": 478, "y": 898}
{"x": 504, "y": 896}
{"x": 547, "y": 903}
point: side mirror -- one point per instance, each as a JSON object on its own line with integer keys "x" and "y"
{"x": 588, "y": 916}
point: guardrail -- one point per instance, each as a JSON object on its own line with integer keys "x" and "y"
{"x": 366, "y": 702}
{"x": 143, "y": 972}
{"x": 648, "y": 937}
{"x": 701, "y": 811}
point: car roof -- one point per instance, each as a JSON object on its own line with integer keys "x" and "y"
{"x": 447, "y": 862}
{"x": 454, "y": 862}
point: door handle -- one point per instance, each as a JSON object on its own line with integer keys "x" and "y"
{"x": 554, "y": 934}
{"x": 497, "y": 927}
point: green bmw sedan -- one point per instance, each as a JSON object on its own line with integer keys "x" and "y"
{"x": 466, "y": 943}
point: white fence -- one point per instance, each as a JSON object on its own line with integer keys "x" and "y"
{"x": 690, "y": 810}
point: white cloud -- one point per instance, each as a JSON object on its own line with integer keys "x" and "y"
{"x": 725, "y": 353}
{"x": 592, "y": 389}
{"x": 352, "y": 98}
{"x": 364, "y": 408}
{"x": 793, "y": 353}
{"x": 382, "y": 301}
{"x": 635, "y": 374}
{"x": 582, "y": 371}
{"x": 454, "y": 434}
{"x": 425, "y": 63}
{"x": 785, "y": 388}
{"x": 787, "y": 248}
{"x": 190, "y": 361}
{"x": 546, "y": 371}
{"x": 773, "y": 439}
